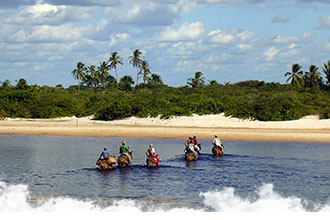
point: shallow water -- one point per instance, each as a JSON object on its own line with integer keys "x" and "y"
{"x": 64, "y": 167}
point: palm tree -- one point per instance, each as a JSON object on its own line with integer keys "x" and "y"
{"x": 79, "y": 73}
{"x": 94, "y": 76}
{"x": 126, "y": 83}
{"x": 313, "y": 77}
{"x": 156, "y": 79}
{"x": 104, "y": 74}
{"x": 115, "y": 60}
{"x": 197, "y": 81}
{"x": 5, "y": 83}
{"x": 136, "y": 61}
{"x": 145, "y": 71}
{"x": 326, "y": 71}
{"x": 296, "y": 75}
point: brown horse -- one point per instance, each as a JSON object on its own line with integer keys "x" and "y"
{"x": 191, "y": 156}
{"x": 217, "y": 151}
{"x": 123, "y": 160}
{"x": 151, "y": 163}
{"x": 106, "y": 164}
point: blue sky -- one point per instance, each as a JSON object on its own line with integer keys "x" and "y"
{"x": 227, "y": 40}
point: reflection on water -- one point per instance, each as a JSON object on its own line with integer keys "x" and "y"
{"x": 65, "y": 166}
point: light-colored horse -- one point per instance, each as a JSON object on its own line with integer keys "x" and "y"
{"x": 151, "y": 162}
{"x": 106, "y": 164}
{"x": 123, "y": 160}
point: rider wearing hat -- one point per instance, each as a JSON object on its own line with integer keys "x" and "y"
{"x": 124, "y": 149}
{"x": 105, "y": 154}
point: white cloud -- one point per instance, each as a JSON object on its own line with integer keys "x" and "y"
{"x": 118, "y": 38}
{"x": 220, "y": 37}
{"x": 324, "y": 22}
{"x": 245, "y": 47}
{"x": 271, "y": 53}
{"x": 292, "y": 46}
{"x": 186, "y": 32}
{"x": 281, "y": 19}
{"x": 45, "y": 33}
{"x": 327, "y": 46}
{"x": 305, "y": 37}
{"x": 42, "y": 14}
{"x": 149, "y": 14}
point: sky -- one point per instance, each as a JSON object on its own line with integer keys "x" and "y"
{"x": 227, "y": 40}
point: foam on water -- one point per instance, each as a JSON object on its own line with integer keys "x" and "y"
{"x": 17, "y": 197}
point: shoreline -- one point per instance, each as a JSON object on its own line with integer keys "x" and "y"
{"x": 309, "y": 129}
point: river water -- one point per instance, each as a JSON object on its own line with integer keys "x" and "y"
{"x": 45, "y": 172}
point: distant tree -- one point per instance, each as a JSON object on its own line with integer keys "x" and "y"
{"x": 22, "y": 84}
{"x": 326, "y": 71}
{"x": 79, "y": 73}
{"x": 104, "y": 74}
{"x": 197, "y": 81}
{"x": 155, "y": 79}
{"x": 136, "y": 61}
{"x": 295, "y": 76}
{"x": 115, "y": 60}
{"x": 126, "y": 83}
{"x": 145, "y": 71}
{"x": 5, "y": 83}
{"x": 213, "y": 83}
{"x": 313, "y": 77}
{"x": 94, "y": 76}
{"x": 59, "y": 86}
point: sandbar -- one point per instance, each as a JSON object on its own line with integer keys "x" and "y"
{"x": 307, "y": 129}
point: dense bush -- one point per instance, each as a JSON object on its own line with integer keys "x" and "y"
{"x": 248, "y": 99}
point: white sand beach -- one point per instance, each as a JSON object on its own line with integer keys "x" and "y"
{"x": 307, "y": 129}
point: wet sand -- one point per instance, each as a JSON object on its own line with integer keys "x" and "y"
{"x": 172, "y": 129}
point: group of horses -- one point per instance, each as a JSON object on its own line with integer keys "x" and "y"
{"x": 123, "y": 160}
{"x": 108, "y": 164}
{"x": 216, "y": 151}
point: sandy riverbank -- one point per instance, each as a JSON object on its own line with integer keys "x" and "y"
{"x": 307, "y": 129}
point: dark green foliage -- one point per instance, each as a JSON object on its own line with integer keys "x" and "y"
{"x": 249, "y": 99}
{"x": 113, "y": 111}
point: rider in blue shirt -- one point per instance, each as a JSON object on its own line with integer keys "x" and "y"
{"x": 105, "y": 154}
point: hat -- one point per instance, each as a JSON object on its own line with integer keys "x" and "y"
{"x": 216, "y": 135}
{"x": 150, "y": 145}
{"x": 105, "y": 148}
{"x": 123, "y": 142}
{"x": 153, "y": 150}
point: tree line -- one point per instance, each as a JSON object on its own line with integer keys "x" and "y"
{"x": 310, "y": 78}
{"x": 253, "y": 99}
{"x": 99, "y": 76}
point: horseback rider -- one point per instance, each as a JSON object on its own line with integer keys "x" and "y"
{"x": 152, "y": 155}
{"x": 197, "y": 146}
{"x": 105, "y": 154}
{"x": 150, "y": 150}
{"x": 190, "y": 147}
{"x": 124, "y": 150}
{"x": 216, "y": 142}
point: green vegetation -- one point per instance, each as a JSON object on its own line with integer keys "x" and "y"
{"x": 98, "y": 94}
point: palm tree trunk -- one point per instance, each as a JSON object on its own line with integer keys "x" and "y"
{"x": 137, "y": 75}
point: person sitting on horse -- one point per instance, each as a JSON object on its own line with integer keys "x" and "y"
{"x": 190, "y": 147}
{"x": 197, "y": 146}
{"x": 105, "y": 154}
{"x": 149, "y": 150}
{"x": 216, "y": 142}
{"x": 190, "y": 139}
{"x": 153, "y": 156}
{"x": 124, "y": 150}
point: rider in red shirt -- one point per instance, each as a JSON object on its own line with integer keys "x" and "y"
{"x": 153, "y": 156}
